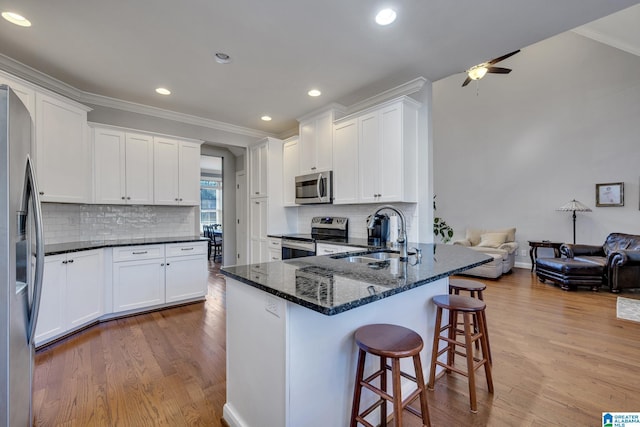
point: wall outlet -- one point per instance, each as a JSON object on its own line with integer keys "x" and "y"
{"x": 523, "y": 252}
{"x": 272, "y": 305}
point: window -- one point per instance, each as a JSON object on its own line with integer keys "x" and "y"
{"x": 210, "y": 201}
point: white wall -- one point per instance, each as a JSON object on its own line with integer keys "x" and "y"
{"x": 523, "y": 144}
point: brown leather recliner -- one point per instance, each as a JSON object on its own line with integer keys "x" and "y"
{"x": 619, "y": 255}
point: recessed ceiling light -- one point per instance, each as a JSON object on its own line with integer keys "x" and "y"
{"x": 14, "y": 18}
{"x": 386, "y": 16}
{"x": 222, "y": 58}
{"x": 266, "y": 118}
{"x": 163, "y": 91}
{"x": 314, "y": 92}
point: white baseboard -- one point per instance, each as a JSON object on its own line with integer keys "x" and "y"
{"x": 526, "y": 265}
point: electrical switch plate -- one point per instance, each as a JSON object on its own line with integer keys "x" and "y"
{"x": 272, "y": 305}
{"x": 523, "y": 252}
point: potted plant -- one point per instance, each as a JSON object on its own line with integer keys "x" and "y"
{"x": 440, "y": 228}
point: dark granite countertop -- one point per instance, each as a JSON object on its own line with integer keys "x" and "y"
{"x": 62, "y": 248}
{"x": 330, "y": 285}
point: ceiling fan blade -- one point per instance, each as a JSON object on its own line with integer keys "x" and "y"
{"x": 498, "y": 70}
{"x": 466, "y": 82}
{"x": 502, "y": 58}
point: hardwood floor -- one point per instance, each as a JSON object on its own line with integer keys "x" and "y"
{"x": 559, "y": 358}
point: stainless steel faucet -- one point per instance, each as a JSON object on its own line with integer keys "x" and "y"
{"x": 402, "y": 237}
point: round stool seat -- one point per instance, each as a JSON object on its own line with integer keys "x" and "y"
{"x": 388, "y": 340}
{"x": 459, "y": 303}
{"x": 466, "y": 285}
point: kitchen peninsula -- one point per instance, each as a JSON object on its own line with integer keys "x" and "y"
{"x": 290, "y": 352}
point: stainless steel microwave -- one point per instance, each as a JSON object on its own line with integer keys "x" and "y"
{"x": 315, "y": 188}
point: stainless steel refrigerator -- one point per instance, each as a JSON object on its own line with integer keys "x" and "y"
{"x": 21, "y": 261}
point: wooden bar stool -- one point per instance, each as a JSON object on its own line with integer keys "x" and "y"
{"x": 393, "y": 342}
{"x": 472, "y": 310}
{"x": 475, "y": 289}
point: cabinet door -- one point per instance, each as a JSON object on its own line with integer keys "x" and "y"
{"x": 290, "y": 164}
{"x": 186, "y": 277}
{"x": 324, "y": 142}
{"x": 307, "y": 147}
{"x": 369, "y": 157}
{"x": 165, "y": 171}
{"x": 51, "y": 316}
{"x": 391, "y": 170}
{"x": 139, "y": 169}
{"x": 345, "y": 162}
{"x": 62, "y": 159}
{"x": 189, "y": 159}
{"x": 85, "y": 285}
{"x": 258, "y": 229}
{"x": 258, "y": 157}
{"x": 109, "y": 166}
{"x": 138, "y": 284}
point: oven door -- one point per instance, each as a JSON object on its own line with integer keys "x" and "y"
{"x": 297, "y": 249}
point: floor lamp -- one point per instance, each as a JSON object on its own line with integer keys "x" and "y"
{"x": 574, "y": 206}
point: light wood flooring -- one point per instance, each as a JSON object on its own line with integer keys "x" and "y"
{"x": 559, "y": 358}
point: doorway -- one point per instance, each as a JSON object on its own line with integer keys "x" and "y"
{"x": 211, "y": 203}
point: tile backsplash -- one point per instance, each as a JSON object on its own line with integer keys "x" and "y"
{"x": 72, "y": 222}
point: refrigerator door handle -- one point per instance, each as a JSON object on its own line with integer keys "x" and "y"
{"x": 31, "y": 192}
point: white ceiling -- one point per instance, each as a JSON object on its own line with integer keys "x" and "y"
{"x": 280, "y": 48}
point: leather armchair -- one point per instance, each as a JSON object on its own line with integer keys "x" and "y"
{"x": 619, "y": 255}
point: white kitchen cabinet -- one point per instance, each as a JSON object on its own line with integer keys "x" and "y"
{"x": 138, "y": 277}
{"x": 26, "y": 94}
{"x": 63, "y": 155}
{"x": 258, "y": 164}
{"x": 275, "y": 249}
{"x": 267, "y": 214}
{"x": 345, "y": 162}
{"x": 176, "y": 174}
{"x": 72, "y": 293}
{"x": 329, "y": 249}
{"x": 316, "y": 142}
{"x": 290, "y": 169}
{"x": 383, "y": 167}
{"x": 51, "y": 321}
{"x": 258, "y": 215}
{"x": 185, "y": 271}
{"x": 123, "y": 167}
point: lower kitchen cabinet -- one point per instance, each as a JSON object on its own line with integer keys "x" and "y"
{"x": 72, "y": 293}
{"x": 147, "y": 276}
{"x": 138, "y": 284}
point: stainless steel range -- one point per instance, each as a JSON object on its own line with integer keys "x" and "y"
{"x": 322, "y": 228}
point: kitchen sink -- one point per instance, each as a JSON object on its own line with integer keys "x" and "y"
{"x": 369, "y": 258}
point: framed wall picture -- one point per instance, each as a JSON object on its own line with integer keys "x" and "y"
{"x": 610, "y": 194}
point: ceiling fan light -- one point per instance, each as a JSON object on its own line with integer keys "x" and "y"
{"x": 477, "y": 72}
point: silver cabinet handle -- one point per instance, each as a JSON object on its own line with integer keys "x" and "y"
{"x": 65, "y": 261}
{"x": 139, "y": 253}
{"x": 70, "y": 261}
{"x": 186, "y": 249}
{"x": 41, "y": 193}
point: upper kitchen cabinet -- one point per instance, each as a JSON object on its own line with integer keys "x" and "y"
{"x": 63, "y": 155}
{"x": 290, "y": 169}
{"x": 383, "y": 167}
{"x": 26, "y": 94}
{"x": 258, "y": 165}
{"x": 316, "y": 141}
{"x": 123, "y": 167}
{"x": 176, "y": 172}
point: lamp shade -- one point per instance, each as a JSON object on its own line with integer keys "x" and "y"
{"x": 574, "y": 206}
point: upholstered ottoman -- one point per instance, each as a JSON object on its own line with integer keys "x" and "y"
{"x": 569, "y": 273}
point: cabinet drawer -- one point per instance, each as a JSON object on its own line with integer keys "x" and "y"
{"x": 188, "y": 248}
{"x": 131, "y": 253}
{"x": 275, "y": 243}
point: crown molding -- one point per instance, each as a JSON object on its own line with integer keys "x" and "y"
{"x": 608, "y": 40}
{"x": 41, "y": 79}
{"x": 404, "y": 89}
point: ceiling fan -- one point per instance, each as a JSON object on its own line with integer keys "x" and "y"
{"x": 478, "y": 71}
